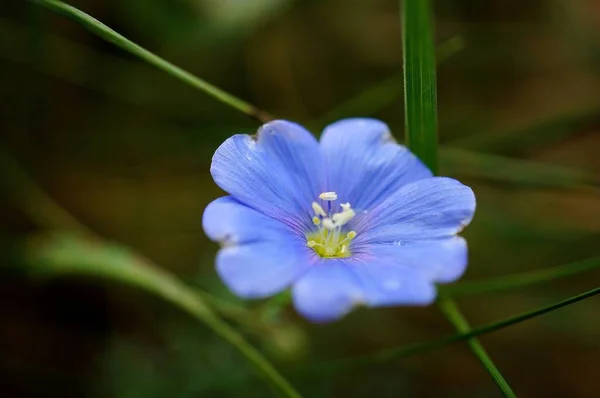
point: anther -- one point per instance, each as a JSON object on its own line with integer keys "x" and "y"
{"x": 328, "y": 223}
{"x": 316, "y": 220}
{"x": 318, "y": 209}
{"x": 351, "y": 235}
{"x": 311, "y": 243}
{"x": 329, "y": 196}
{"x": 343, "y": 217}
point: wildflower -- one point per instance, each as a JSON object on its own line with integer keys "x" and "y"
{"x": 353, "y": 219}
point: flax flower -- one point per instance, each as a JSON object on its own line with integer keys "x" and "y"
{"x": 352, "y": 219}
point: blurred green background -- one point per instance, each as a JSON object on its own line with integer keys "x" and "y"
{"x": 126, "y": 149}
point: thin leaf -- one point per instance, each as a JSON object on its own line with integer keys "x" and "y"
{"x": 420, "y": 103}
{"x": 374, "y": 98}
{"x": 420, "y": 88}
{"x": 520, "y": 172}
{"x": 516, "y": 281}
{"x": 451, "y": 311}
{"x": 85, "y": 254}
{"x": 392, "y": 354}
{"x": 25, "y": 194}
{"x": 106, "y": 33}
{"x": 518, "y": 142}
{"x": 52, "y": 255}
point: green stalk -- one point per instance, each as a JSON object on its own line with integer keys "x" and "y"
{"x": 517, "y": 281}
{"x": 451, "y": 311}
{"x": 420, "y": 87}
{"x": 392, "y": 354}
{"x": 420, "y": 103}
{"x": 383, "y": 93}
{"x": 85, "y": 254}
{"x": 52, "y": 255}
{"x": 103, "y": 31}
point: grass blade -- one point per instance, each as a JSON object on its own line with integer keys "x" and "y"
{"x": 383, "y": 93}
{"x": 391, "y": 354}
{"x": 527, "y": 173}
{"x": 519, "y": 142}
{"x": 52, "y": 255}
{"x": 106, "y": 33}
{"x": 420, "y": 103}
{"x": 420, "y": 88}
{"x": 516, "y": 281}
{"x": 86, "y": 255}
{"x": 25, "y": 194}
{"x": 451, "y": 311}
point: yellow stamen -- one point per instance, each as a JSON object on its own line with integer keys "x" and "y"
{"x": 329, "y": 240}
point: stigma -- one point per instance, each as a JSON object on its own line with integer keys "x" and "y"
{"x": 331, "y": 239}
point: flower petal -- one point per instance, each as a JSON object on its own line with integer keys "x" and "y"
{"x": 327, "y": 291}
{"x": 440, "y": 261}
{"x": 387, "y": 284}
{"x": 262, "y": 269}
{"x": 279, "y": 172}
{"x": 383, "y": 277}
{"x": 426, "y": 209}
{"x": 230, "y": 222}
{"x": 261, "y": 256}
{"x": 365, "y": 164}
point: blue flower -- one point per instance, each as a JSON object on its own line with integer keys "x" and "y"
{"x": 354, "y": 219}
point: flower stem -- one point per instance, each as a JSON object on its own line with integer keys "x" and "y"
{"x": 420, "y": 104}
{"x": 390, "y": 354}
{"x": 420, "y": 86}
{"x": 103, "y": 31}
{"x": 524, "y": 279}
{"x": 451, "y": 311}
{"x": 111, "y": 262}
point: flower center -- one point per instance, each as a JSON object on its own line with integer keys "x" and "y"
{"x": 329, "y": 240}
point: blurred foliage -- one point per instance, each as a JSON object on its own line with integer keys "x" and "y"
{"x": 125, "y": 150}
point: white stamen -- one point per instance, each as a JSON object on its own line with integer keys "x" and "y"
{"x": 328, "y": 238}
{"x": 343, "y": 217}
{"x": 318, "y": 209}
{"x": 328, "y": 223}
{"x": 329, "y": 196}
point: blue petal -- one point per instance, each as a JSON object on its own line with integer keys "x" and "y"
{"x": 229, "y": 222}
{"x": 441, "y": 260}
{"x": 327, "y": 291}
{"x": 388, "y": 284}
{"x": 262, "y": 269}
{"x": 332, "y": 287}
{"x": 261, "y": 256}
{"x": 279, "y": 173}
{"x": 365, "y": 164}
{"x": 426, "y": 209}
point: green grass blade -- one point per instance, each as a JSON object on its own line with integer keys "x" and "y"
{"x": 516, "y": 281}
{"x": 526, "y": 173}
{"x": 451, "y": 311}
{"x": 106, "y": 33}
{"x": 392, "y": 354}
{"x": 420, "y": 87}
{"x": 420, "y": 103}
{"x": 54, "y": 255}
{"x": 20, "y": 189}
{"x": 86, "y": 255}
{"x": 383, "y": 93}
{"x": 519, "y": 142}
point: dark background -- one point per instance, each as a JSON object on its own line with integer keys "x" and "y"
{"x": 126, "y": 150}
